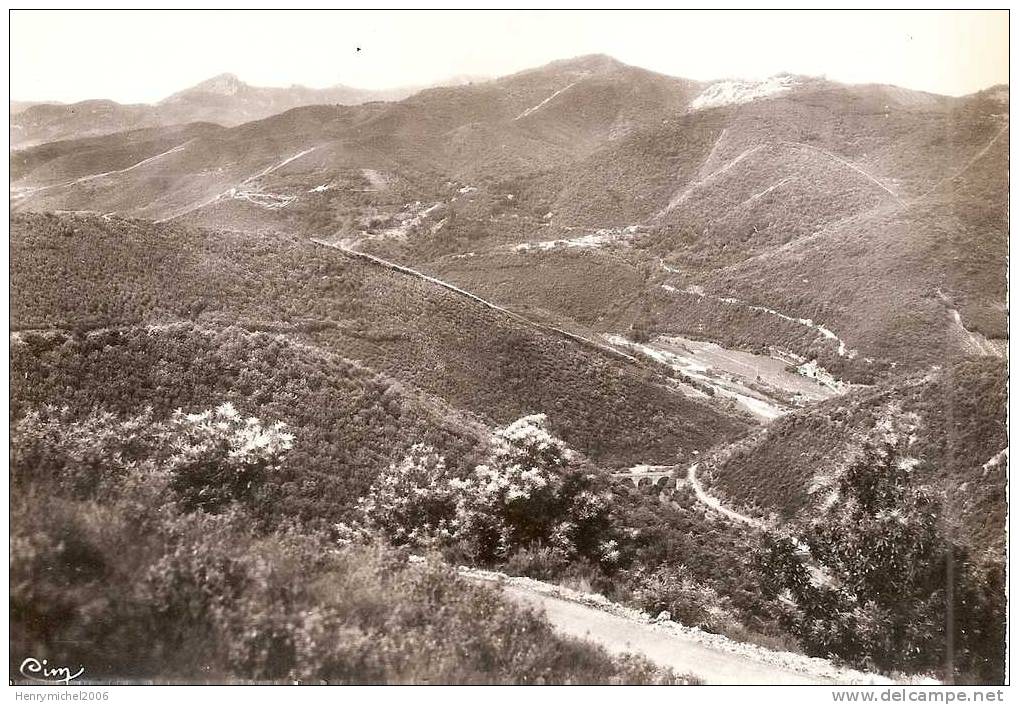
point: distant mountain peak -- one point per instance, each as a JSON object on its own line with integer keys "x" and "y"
{"x": 595, "y": 63}
{"x": 223, "y": 84}
{"x": 587, "y": 65}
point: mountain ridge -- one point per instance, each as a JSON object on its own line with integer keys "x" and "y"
{"x": 234, "y": 101}
{"x": 762, "y": 196}
{"x": 224, "y": 99}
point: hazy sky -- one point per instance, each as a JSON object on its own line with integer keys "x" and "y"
{"x": 146, "y": 55}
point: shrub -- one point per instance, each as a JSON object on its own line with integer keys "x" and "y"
{"x": 210, "y": 459}
{"x": 531, "y": 490}
{"x": 413, "y": 500}
{"x": 348, "y": 422}
{"x": 218, "y": 457}
{"x": 670, "y": 589}
{"x": 536, "y": 561}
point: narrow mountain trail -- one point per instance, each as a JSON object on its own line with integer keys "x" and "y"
{"x": 712, "y": 658}
{"x": 473, "y": 297}
{"x": 896, "y": 206}
{"x": 796, "y": 242}
{"x": 680, "y": 197}
{"x": 657, "y": 473}
{"x": 249, "y": 195}
{"x": 761, "y": 194}
{"x": 842, "y": 350}
{"x": 845, "y": 162}
{"x": 92, "y": 177}
{"x": 279, "y": 165}
{"x": 534, "y": 108}
{"x": 966, "y": 167}
{"x": 715, "y": 505}
{"x": 691, "y": 187}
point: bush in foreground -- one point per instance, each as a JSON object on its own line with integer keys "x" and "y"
{"x": 532, "y": 490}
{"x": 124, "y": 576}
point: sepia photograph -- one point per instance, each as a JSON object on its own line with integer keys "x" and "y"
{"x": 517, "y": 347}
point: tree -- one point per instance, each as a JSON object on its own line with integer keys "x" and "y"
{"x": 866, "y": 580}
{"x": 531, "y": 489}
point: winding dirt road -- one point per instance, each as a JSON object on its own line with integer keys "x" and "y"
{"x": 619, "y": 635}
{"x": 711, "y": 658}
{"x": 713, "y": 503}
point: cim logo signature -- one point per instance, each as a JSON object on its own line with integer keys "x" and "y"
{"x": 41, "y": 672}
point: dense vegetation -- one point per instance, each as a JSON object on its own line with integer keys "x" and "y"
{"x": 529, "y": 490}
{"x": 348, "y": 427}
{"x": 882, "y": 279}
{"x": 215, "y": 432}
{"x": 135, "y": 555}
{"x": 884, "y": 583}
{"x": 557, "y": 282}
{"x": 85, "y": 273}
{"x": 781, "y": 191}
{"x": 871, "y": 576}
{"x": 675, "y": 556}
{"x": 534, "y": 507}
{"x": 851, "y": 205}
{"x": 348, "y": 422}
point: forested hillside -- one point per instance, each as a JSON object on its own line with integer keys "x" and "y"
{"x": 958, "y": 432}
{"x": 86, "y": 273}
